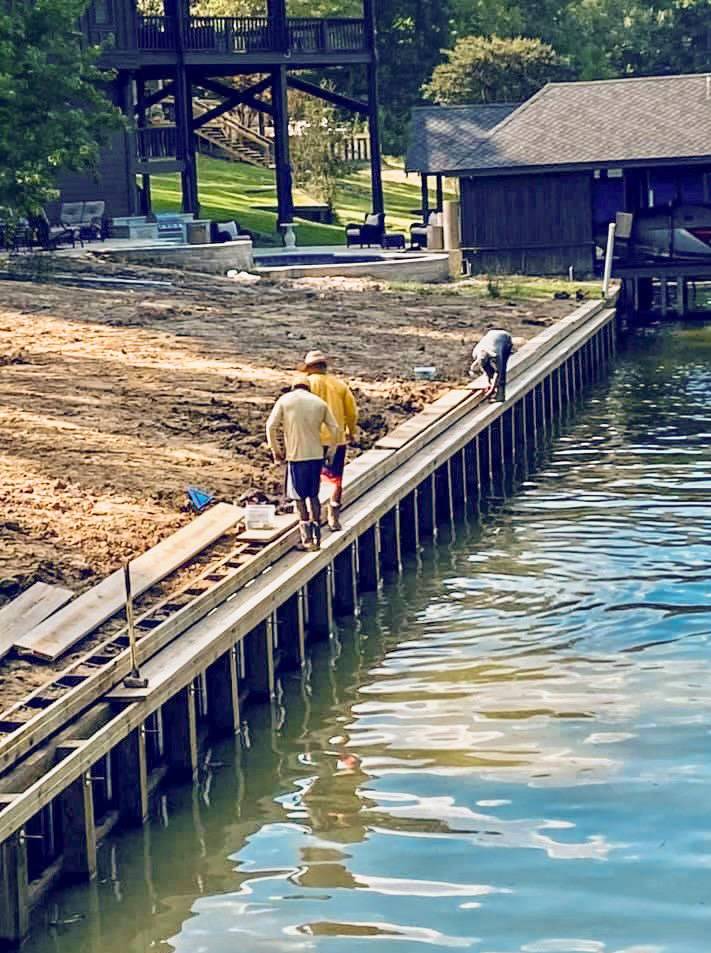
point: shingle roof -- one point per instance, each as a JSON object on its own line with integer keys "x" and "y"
{"x": 589, "y": 124}
{"x": 438, "y": 134}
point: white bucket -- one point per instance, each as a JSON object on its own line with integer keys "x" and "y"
{"x": 259, "y": 515}
{"x": 426, "y": 373}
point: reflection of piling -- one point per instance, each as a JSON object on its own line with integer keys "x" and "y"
{"x": 133, "y": 738}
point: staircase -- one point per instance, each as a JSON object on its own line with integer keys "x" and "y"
{"x": 231, "y": 139}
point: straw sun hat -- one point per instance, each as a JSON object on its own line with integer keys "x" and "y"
{"x": 314, "y": 357}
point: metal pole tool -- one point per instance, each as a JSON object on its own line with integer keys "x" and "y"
{"x": 134, "y": 680}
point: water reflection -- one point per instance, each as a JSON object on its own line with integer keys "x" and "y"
{"x": 540, "y": 685}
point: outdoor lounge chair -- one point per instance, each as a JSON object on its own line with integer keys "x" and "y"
{"x": 92, "y": 221}
{"x": 419, "y": 231}
{"x": 51, "y": 236}
{"x": 371, "y": 232}
{"x": 227, "y": 231}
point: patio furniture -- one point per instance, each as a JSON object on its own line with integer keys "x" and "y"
{"x": 418, "y": 235}
{"x": 171, "y": 226}
{"x": 50, "y": 236}
{"x": 92, "y": 225}
{"x": 394, "y": 240}
{"x": 228, "y": 231}
{"x": 371, "y": 232}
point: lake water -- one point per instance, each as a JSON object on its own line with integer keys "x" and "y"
{"x": 507, "y": 753}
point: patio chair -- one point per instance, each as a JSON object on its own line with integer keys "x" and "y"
{"x": 419, "y": 233}
{"x": 92, "y": 225}
{"x": 371, "y": 232}
{"x": 50, "y": 236}
{"x": 227, "y": 231}
{"x": 70, "y": 214}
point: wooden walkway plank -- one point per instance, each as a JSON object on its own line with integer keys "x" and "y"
{"x": 282, "y": 523}
{"x": 30, "y": 608}
{"x": 56, "y": 635}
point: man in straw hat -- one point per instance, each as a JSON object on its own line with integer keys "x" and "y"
{"x": 295, "y": 431}
{"x": 342, "y": 405}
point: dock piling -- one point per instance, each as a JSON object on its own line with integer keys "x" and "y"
{"x": 259, "y": 661}
{"x": 344, "y": 582}
{"x": 223, "y": 694}
{"x": 369, "y": 559}
{"x": 14, "y": 891}
{"x": 180, "y": 733}
{"x": 320, "y": 602}
{"x": 131, "y": 778}
{"x": 390, "y": 542}
{"x": 78, "y": 829}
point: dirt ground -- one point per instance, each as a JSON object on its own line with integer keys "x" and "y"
{"x": 113, "y": 401}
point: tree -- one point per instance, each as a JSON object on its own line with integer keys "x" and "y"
{"x": 411, "y": 35}
{"x": 316, "y": 145}
{"x": 53, "y": 114}
{"x": 493, "y": 69}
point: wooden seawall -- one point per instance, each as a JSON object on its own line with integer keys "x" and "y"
{"x": 77, "y": 770}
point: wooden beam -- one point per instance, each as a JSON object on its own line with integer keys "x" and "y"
{"x": 148, "y": 101}
{"x": 79, "y": 829}
{"x": 249, "y": 98}
{"x": 233, "y": 99}
{"x": 223, "y": 694}
{"x": 25, "y": 612}
{"x": 328, "y": 95}
{"x": 61, "y": 631}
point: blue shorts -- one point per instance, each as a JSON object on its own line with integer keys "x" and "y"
{"x": 333, "y": 471}
{"x": 303, "y": 479}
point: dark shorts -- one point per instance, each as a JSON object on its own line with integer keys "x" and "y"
{"x": 333, "y": 471}
{"x": 303, "y": 479}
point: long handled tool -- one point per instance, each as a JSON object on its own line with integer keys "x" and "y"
{"x": 134, "y": 680}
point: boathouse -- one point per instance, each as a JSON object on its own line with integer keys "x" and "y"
{"x": 175, "y": 75}
{"x": 540, "y": 181}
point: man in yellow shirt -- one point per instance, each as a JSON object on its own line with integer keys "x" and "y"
{"x": 295, "y": 433}
{"x": 341, "y": 402}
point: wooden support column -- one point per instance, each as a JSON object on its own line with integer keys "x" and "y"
{"x": 390, "y": 541}
{"x": 509, "y": 436}
{"x": 223, "y": 694}
{"x": 259, "y": 661}
{"x": 496, "y": 462}
{"x": 78, "y": 829}
{"x": 443, "y": 494}
{"x": 290, "y": 629}
{"x": 376, "y": 174}
{"x": 344, "y": 582}
{"x": 409, "y": 524}
{"x": 424, "y": 196}
{"x": 186, "y": 139}
{"x": 426, "y": 508}
{"x": 284, "y": 185}
{"x": 439, "y": 193}
{"x": 180, "y": 733}
{"x": 14, "y": 892}
{"x": 369, "y": 560}
{"x": 131, "y": 778}
{"x": 320, "y": 605}
{"x": 519, "y": 429}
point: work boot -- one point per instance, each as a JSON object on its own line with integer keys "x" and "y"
{"x": 305, "y": 533}
{"x": 334, "y": 511}
{"x": 315, "y": 535}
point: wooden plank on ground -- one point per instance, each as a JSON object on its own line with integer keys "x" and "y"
{"x": 416, "y": 425}
{"x": 30, "y": 608}
{"x": 282, "y": 523}
{"x": 60, "y": 632}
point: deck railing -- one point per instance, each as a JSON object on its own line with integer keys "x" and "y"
{"x": 156, "y": 142}
{"x": 253, "y": 35}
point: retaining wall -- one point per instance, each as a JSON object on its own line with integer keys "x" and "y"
{"x": 61, "y": 792}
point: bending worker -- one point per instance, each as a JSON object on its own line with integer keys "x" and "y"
{"x": 342, "y": 405}
{"x": 294, "y": 434}
{"x": 491, "y": 355}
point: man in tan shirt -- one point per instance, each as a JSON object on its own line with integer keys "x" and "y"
{"x": 294, "y": 435}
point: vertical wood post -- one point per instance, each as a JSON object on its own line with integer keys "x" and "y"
{"x": 484, "y": 452}
{"x": 471, "y": 473}
{"x": 368, "y": 560}
{"x": 131, "y": 778}
{"x": 376, "y": 175}
{"x": 180, "y": 733}
{"x": 426, "y": 508}
{"x": 223, "y": 694}
{"x": 390, "y": 541}
{"x": 457, "y": 469}
{"x": 409, "y": 524}
{"x": 290, "y": 623}
{"x": 285, "y": 201}
{"x": 443, "y": 494}
{"x": 508, "y": 436}
{"x": 496, "y": 458}
{"x": 14, "y": 893}
{"x": 259, "y": 661}
{"x": 344, "y": 582}
{"x": 78, "y": 829}
{"x": 320, "y": 605}
{"x": 519, "y": 429}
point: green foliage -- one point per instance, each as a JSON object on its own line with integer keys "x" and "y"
{"x": 493, "y": 69}
{"x": 411, "y": 34}
{"x": 317, "y": 148}
{"x": 53, "y": 114}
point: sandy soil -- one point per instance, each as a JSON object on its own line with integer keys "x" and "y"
{"x": 112, "y": 401}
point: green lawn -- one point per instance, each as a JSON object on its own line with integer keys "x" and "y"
{"x": 235, "y": 190}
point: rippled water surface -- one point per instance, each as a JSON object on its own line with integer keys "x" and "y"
{"x": 508, "y": 752}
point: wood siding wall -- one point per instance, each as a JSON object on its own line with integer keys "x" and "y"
{"x": 528, "y": 224}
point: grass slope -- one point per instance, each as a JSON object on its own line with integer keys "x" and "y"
{"x": 236, "y": 190}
